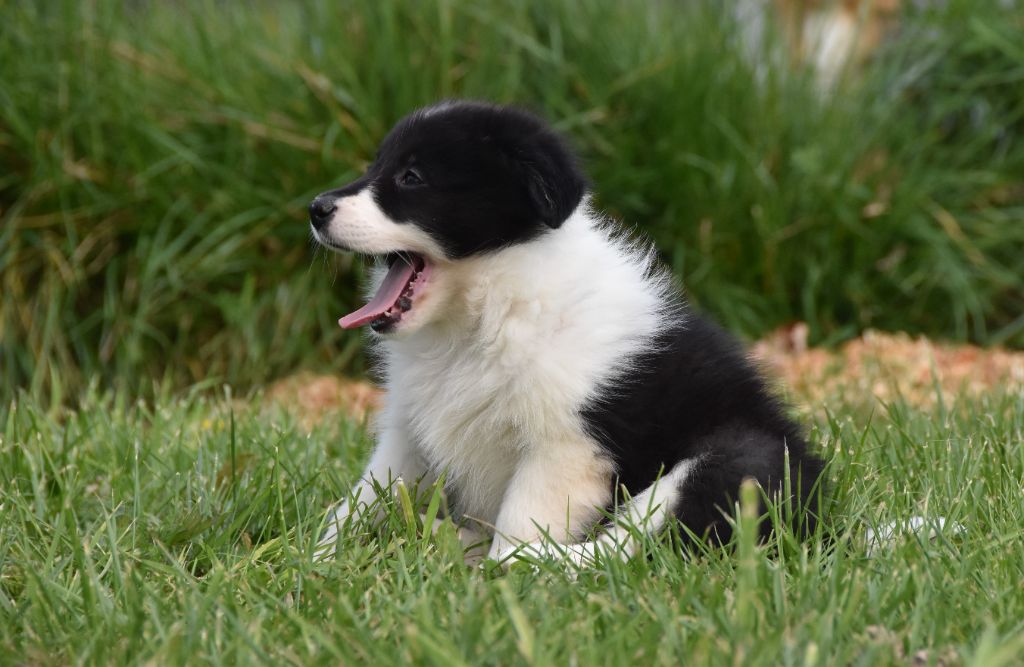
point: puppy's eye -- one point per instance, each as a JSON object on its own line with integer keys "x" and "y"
{"x": 411, "y": 178}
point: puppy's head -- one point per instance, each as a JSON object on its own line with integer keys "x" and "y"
{"x": 449, "y": 182}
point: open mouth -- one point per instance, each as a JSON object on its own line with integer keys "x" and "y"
{"x": 407, "y": 273}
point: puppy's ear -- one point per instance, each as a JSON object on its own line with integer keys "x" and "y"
{"x": 549, "y": 174}
{"x": 553, "y": 181}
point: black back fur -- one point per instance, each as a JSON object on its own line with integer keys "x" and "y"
{"x": 698, "y": 396}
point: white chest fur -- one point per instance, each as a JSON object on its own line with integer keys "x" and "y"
{"x": 534, "y": 332}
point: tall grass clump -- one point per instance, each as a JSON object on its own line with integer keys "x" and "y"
{"x": 156, "y": 159}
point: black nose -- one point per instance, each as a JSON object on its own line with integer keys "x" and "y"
{"x": 321, "y": 210}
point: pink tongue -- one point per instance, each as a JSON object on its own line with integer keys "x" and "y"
{"x": 387, "y": 294}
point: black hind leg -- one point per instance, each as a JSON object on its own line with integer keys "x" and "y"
{"x": 734, "y": 454}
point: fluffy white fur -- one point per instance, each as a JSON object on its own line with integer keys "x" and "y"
{"x": 487, "y": 381}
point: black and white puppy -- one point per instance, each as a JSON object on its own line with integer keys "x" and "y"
{"x": 537, "y": 357}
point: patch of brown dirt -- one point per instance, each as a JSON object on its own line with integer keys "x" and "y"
{"x": 888, "y": 366}
{"x": 311, "y": 397}
{"x": 884, "y": 365}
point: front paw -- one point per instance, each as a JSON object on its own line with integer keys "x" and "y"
{"x": 326, "y": 547}
{"x": 365, "y": 501}
{"x": 572, "y": 556}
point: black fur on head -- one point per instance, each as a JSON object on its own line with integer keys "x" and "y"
{"x": 475, "y": 176}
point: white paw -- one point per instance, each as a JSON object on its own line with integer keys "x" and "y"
{"x": 887, "y": 534}
{"x": 327, "y": 545}
{"x": 573, "y": 556}
{"x": 361, "y": 501}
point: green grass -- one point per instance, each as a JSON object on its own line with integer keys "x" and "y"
{"x": 156, "y": 158}
{"x": 180, "y": 533}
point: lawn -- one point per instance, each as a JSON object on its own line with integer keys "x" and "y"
{"x": 181, "y": 531}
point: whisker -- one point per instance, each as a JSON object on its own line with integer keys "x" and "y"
{"x": 404, "y": 256}
{"x": 316, "y": 249}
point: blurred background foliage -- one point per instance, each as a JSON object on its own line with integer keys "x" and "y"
{"x": 156, "y": 159}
